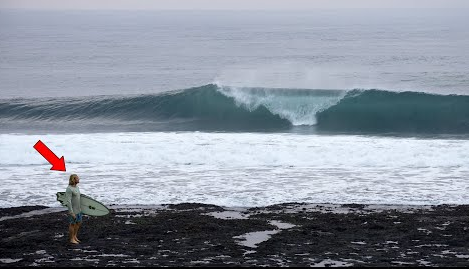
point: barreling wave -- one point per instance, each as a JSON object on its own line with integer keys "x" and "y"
{"x": 224, "y": 108}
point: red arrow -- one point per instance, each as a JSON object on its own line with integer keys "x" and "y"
{"x": 57, "y": 164}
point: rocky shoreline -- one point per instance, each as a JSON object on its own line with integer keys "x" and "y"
{"x": 209, "y": 235}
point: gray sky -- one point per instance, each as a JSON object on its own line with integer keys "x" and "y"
{"x": 229, "y": 4}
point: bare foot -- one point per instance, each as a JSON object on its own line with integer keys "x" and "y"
{"x": 73, "y": 242}
{"x": 76, "y": 239}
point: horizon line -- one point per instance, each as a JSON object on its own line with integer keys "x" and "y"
{"x": 227, "y": 9}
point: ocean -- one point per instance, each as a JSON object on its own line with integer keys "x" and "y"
{"x": 236, "y": 108}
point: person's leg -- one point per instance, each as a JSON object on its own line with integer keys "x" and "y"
{"x": 78, "y": 224}
{"x": 72, "y": 230}
{"x": 76, "y": 232}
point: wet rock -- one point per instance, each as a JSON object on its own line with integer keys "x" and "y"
{"x": 185, "y": 235}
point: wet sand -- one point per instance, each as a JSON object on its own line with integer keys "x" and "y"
{"x": 208, "y": 235}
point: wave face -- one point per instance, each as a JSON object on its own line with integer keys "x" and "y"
{"x": 410, "y": 112}
{"x": 203, "y": 108}
{"x": 224, "y": 108}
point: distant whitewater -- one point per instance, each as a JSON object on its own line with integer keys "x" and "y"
{"x": 223, "y": 108}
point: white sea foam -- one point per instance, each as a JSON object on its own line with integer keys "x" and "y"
{"x": 300, "y": 108}
{"x": 242, "y": 169}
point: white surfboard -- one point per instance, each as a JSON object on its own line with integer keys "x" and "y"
{"x": 89, "y": 206}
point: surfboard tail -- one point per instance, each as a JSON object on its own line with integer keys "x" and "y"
{"x": 61, "y": 198}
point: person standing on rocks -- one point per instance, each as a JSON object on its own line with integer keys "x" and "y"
{"x": 72, "y": 195}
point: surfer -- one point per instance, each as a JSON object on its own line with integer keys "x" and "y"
{"x": 74, "y": 208}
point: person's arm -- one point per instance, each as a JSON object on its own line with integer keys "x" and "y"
{"x": 68, "y": 198}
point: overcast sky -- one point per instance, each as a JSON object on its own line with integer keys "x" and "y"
{"x": 230, "y": 4}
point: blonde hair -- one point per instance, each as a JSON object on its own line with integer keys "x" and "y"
{"x": 72, "y": 179}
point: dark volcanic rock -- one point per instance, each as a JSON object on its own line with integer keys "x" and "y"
{"x": 18, "y": 210}
{"x": 188, "y": 235}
